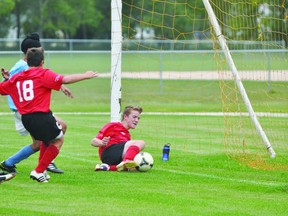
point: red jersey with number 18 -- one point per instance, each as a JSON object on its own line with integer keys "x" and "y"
{"x": 31, "y": 90}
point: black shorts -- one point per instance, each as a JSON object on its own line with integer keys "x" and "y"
{"x": 42, "y": 126}
{"x": 112, "y": 155}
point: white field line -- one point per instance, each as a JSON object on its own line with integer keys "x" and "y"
{"x": 205, "y": 176}
{"x": 259, "y": 114}
{"x": 78, "y": 158}
{"x": 225, "y": 179}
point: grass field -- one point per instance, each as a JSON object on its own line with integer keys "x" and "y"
{"x": 134, "y": 62}
{"x": 199, "y": 178}
{"x": 202, "y": 181}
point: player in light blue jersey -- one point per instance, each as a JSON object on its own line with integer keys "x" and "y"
{"x": 8, "y": 165}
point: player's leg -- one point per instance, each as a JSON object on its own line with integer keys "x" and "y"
{"x": 111, "y": 156}
{"x": 62, "y": 123}
{"x": 50, "y": 154}
{"x": 43, "y": 126}
{"x": 8, "y": 165}
{"x": 131, "y": 149}
{"x": 52, "y": 166}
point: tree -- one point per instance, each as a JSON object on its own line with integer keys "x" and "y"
{"x": 5, "y": 7}
{"x": 95, "y": 20}
{"x": 179, "y": 19}
{"x": 71, "y": 17}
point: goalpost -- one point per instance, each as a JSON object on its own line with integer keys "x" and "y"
{"x": 234, "y": 70}
{"x": 182, "y": 47}
{"x": 116, "y": 51}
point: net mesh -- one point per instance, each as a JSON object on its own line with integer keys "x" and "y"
{"x": 173, "y": 45}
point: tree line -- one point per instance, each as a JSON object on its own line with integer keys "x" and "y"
{"x": 91, "y": 19}
{"x": 72, "y": 19}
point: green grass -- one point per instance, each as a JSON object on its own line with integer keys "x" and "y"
{"x": 195, "y": 182}
{"x": 134, "y": 62}
{"x": 173, "y": 96}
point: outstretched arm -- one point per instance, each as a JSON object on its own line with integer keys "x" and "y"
{"x": 68, "y": 79}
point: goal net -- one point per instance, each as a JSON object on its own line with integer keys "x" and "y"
{"x": 171, "y": 63}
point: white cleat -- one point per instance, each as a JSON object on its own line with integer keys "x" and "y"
{"x": 40, "y": 177}
{"x": 102, "y": 167}
{"x": 47, "y": 176}
{"x": 126, "y": 165}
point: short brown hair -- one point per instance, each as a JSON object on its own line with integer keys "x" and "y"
{"x": 35, "y": 56}
{"x": 128, "y": 110}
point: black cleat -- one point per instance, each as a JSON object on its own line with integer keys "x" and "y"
{"x": 6, "y": 177}
{"x": 8, "y": 169}
{"x": 53, "y": 168}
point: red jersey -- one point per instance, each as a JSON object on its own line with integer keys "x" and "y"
{"x": 31, "y": 90}
{"x": 117, "y": 133}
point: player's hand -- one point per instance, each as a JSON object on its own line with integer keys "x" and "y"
{"x": 105, "y": 141}
{"x": 91, "y": 74}
{"x": 66, "y": 91}
{"x": 5, "y": 74}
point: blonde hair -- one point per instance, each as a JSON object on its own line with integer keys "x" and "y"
{"x": 129, "y": 109}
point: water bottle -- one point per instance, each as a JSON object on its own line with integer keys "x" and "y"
{"x": 166, "y": 150}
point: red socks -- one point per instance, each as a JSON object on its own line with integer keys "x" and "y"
{"x": 132, "y": 151}
{"x": 43, "y": 148}
{"x": 49, "y": 155}
{"x": 112, "y": 168}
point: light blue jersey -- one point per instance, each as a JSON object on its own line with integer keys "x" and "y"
{"x": 20, "y": 66}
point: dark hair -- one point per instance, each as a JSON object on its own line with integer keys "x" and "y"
{"x": 128, "y": 110}
{"x": 31, "y": 40}
{"x": 35, "y": 56}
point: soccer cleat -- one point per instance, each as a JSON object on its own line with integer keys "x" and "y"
{"x": 53, "y": 168}
{"x": 40, "y": 177}
{"x": 102, "y": 167}
{"x": 6, "y": 177}
{"x": 47, "y": 176}
{"x": 8, "y": 169}
{"x": 126, "y": 165}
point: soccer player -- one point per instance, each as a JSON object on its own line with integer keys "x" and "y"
{"x": 116, "y": 149}
{"x": 8, "y": 165}
{"x": 31, "y": 92}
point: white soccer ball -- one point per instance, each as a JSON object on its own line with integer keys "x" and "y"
{"x": 144, "y": 161}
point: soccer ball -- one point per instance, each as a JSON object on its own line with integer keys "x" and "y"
{"x": 144, "y": 161}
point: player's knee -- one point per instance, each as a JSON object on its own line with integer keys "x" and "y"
{"x": 58, "y": 142}
{"x": 35, "y": 145}
{"x": 141, "y": 144}
{"x": 64, "y": 127}
{"x": 62, "y": 123}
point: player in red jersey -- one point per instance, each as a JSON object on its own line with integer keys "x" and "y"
{"x": 116, "y": 149}
{"x": 31, "y": 92}
{"x": 9, "y": 165}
